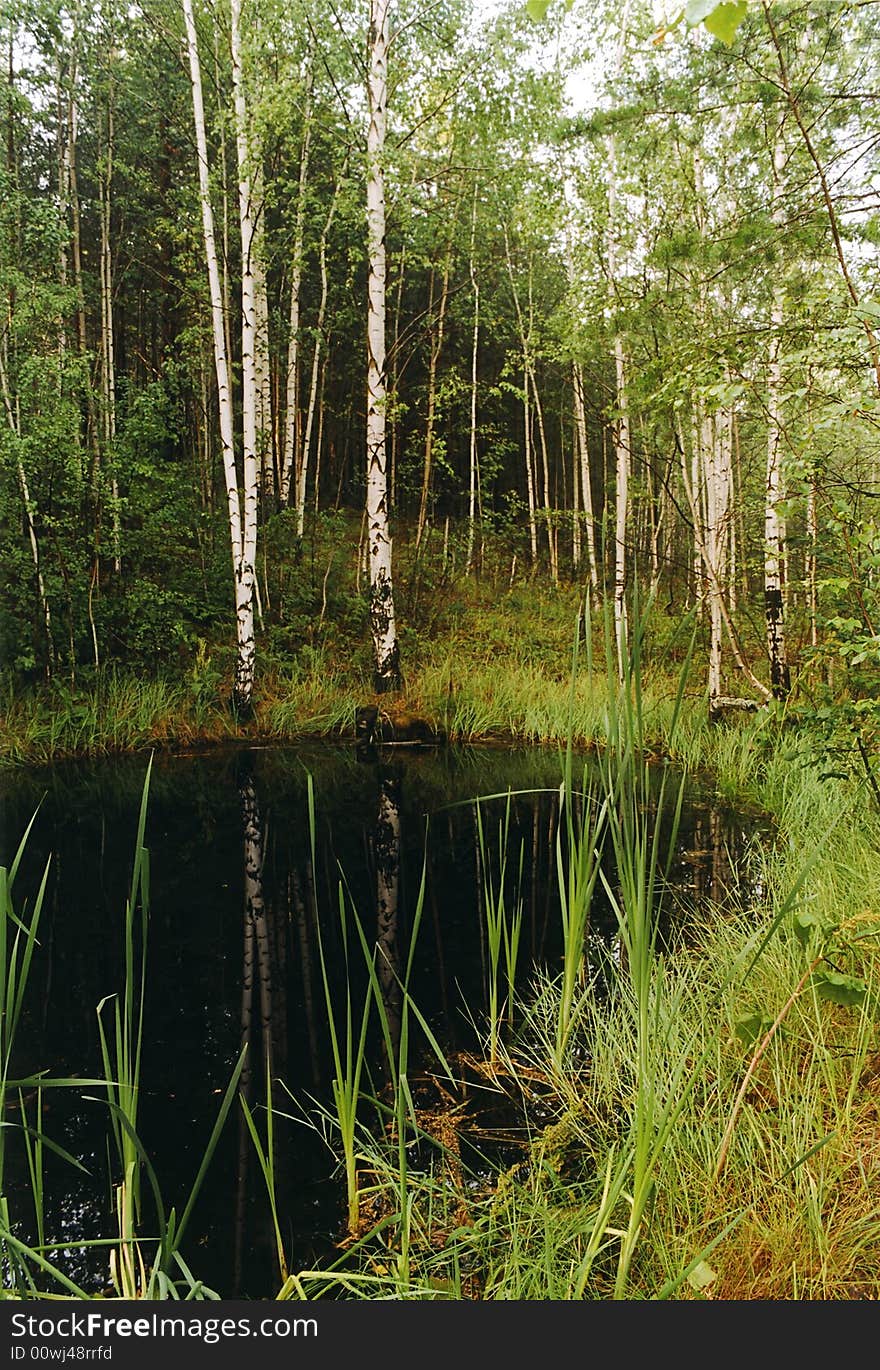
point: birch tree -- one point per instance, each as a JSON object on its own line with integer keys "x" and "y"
{"x": 774, "y": 520}
{"x": 383, "y": 625}
{"x": 242, "y": 524}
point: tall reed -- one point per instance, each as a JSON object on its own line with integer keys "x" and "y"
{"x": 503, "y": 925}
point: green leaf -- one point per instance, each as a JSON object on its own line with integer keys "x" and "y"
{"x": 698, "y": 10}
{"x": 749, "y": 1027}
{"x": 840, "y": 989}
{"x": 701, "y": 1276}
{"x": 537, "y": 10}
{"x": 724, "y": 21}
{"x": 811, "y": 926}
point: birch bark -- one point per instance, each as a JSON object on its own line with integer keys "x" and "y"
{"x": 243, "y": 548}
{"x": 249, "y": 370}
{"x": 473, "y": 466}
{"x": 774, "y": 522}
{"x": 383, "y": 626}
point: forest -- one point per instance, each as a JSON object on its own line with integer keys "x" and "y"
{"x": 469, "y": 410}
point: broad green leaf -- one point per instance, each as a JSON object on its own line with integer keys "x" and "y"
{"x": 749, "y": 1027}
{"x": 840, "y": 989}
{"x": 724, "y": 21}
{"x": 537, "y": 10}
{"x": 811, "y": 926}
{"x": 701, "y": 1276}
{"x": 698, "y": 10}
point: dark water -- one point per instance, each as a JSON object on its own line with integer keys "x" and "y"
{"x": 233, "y": 954}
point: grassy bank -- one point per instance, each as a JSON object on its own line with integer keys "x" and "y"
{"x": 699, "y": 1124}
{"x": 709, "y": 1126}
{"x": 491, "y": 671}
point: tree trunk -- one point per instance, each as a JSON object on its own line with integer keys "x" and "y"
{"x": 28, "y": 515}
{"x": 436, "y": 349}
{"x": 473, "y": 462}
{"x": 774, "y": 522}
{"x": 621, "y": 505}
{"x": 530, "y": 472}
{"x": 303, "y": 465}
{"x": 108, "y": 367}
{"x": 242, "y": 564}
{"x": 290, "y": 459}
{"x": 247, "y": 212}
{"x": 383, "y": 626}
{"x": 586, "y": 488}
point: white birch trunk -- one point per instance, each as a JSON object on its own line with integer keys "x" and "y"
{"x": 262, "y": 363}
{"x": 693, "y": 499}
{"x": 246, "y": 214}
{"x": 586, "y": 481}
{"x": 108, "y": 367}
{"x": 621, "y": 431}
{"x": 621, "y": 505}
{"x": 242, "y": 565}
{"x": 621, "y": 427}
{"x": 810, "y": 558}
{"x": 473, "y": 467}
{"x": 717, "y": 485}
{"x": 774, "y": 523}
{"x": 383, "y": 626}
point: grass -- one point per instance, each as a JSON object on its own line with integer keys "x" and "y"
{"x": 495, "y": 665}
{"x": 713, "y": 1114}
{"x": 714, "y": 1130}
{"x": 146, "y": 1265}
{"x": 621, "y": 1194}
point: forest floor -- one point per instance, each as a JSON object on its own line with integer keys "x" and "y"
{"x": 489, "y": 667}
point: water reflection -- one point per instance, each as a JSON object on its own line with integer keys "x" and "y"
{"x": 386, "y": 852}
{"x": 233, "y": 952}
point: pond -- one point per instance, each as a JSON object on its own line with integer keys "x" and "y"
{"x": 240, "y": 917}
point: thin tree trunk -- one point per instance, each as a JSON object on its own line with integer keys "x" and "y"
{"x": 621, "y": 505}
{"x": 292, "y": 416}
{"x": 812, "y": 544}
{"x": 63, "y": 209}
{"x": 621, "y": 425}
{"x": 225, "y": 255}
{"x": 436, "y": 349}
{"x": 716, "y": 454}
{"x": 246, "y": 212}
{"x": 585, "y": 480}
{"x": 28, "y": 515}
{"x": 530, "y": 469}
{"x": 473, "y": 460}
{"x": 692, "y": 497}
{"x": 303, "y": 465}
{"x": 530, "y": 474}
{"x": 552, "y": 547}
{"x": 383, "y": 626}
{"x": 108, "y": 367}
{"x": 774, "y": 522}
{"x": 319, "y": 445}
{"x": 621, "y": 432}
{"x": 242, "y": 565}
